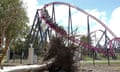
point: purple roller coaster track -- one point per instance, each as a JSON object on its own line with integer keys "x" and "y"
{"x": 43, "y": 14}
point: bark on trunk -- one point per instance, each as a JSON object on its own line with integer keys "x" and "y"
{"x": 4, "y": 50}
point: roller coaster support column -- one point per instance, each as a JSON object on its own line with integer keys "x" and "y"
{"x": 106, "y": 40}
{"x": 69, "y": 25}
{"x": 108, "y": 56}
{"x": 31, "y": 55}
{"x": 53, "y": 17}
{"x": 89, "y": 39}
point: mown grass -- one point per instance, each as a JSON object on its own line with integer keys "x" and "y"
{"x": 100, "y": 62}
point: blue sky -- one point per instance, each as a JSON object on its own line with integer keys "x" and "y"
{"x": 91, "y": 4}
{"x": 107, "y": 6}
{"x": 107, "y": 11}
{"x": 102, "y": 5}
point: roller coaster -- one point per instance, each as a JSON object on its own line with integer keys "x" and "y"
{"x": 46, "y": 24}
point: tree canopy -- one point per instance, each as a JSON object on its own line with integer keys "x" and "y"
{"x": 13, "y": 18}
{"x": 13, "y": 21}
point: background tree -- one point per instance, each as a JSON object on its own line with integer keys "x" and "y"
{"x": 85, "y": 51}
{"x": 13, "y": 22}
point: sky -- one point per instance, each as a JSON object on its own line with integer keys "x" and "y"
{"x": 105, "y": 10}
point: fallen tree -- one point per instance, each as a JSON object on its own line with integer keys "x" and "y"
{"x": 59, "y": 58}
{"x": 62, "y": 54}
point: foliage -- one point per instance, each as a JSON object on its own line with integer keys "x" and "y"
{"x": 13, "y": 19}
{"x": 85, "y": 39}
{"x": 13, "y": 22}
{"x": 85, "y": 51}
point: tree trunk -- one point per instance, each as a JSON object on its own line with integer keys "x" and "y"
{"x": 2, "y": 35}
{"x": 0, "y": 41}
{"x": 4, "y": 50}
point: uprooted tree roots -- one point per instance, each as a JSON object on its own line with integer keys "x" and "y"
{"x": 63, "y": 56}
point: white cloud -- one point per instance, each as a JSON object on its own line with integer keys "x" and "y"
{"x": 101, "y": 15}
{"x": 79, "y": 19}
{"x": 98, "y": 14}
{"x": 32, "y": 6}
{"x": 115, "y": 21}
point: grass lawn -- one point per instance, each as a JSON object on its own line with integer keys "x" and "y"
{"x": 100, "y": 62}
